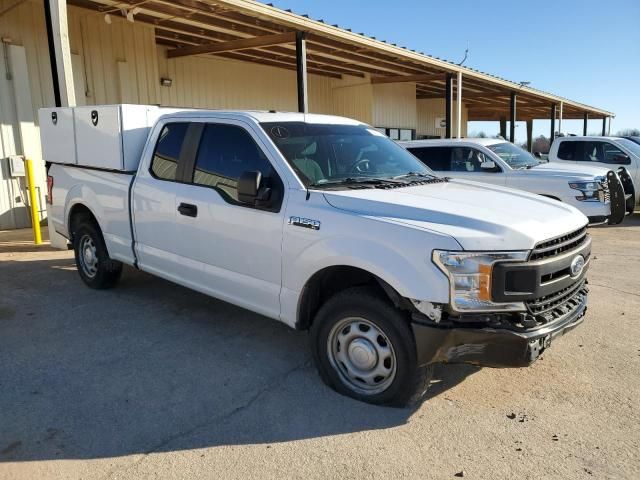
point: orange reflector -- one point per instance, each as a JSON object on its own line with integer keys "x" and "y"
{"x": 484, "y": 281}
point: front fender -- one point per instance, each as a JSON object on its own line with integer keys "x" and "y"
{"x": 411, "y": 275}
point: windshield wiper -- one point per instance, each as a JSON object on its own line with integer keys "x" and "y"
{"x": 355, "y": 181}
{"x": 413, "y": 174}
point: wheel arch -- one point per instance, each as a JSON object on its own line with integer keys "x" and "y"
{"x": 333, "y": 279}
{"x": 77, "y": 212}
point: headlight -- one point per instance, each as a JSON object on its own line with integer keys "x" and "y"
{"x": 594, "y": 191}
{"x": 470, "y": 278}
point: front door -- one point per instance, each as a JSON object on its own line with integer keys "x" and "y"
{"x": 233, "y": 249}
{"x": 465, "y": 163}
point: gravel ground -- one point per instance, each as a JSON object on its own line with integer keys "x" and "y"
{"x": 151, "y": 380}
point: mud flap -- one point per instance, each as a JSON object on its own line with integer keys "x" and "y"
{"x": 618, "y": 200}
{"x": 629, "y": 189}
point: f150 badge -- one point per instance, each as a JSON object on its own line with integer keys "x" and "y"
{"x": 304, "y": 222}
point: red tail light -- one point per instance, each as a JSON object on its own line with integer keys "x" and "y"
{"x": 49, "y": 189}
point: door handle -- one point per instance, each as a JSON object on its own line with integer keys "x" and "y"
{"x": 188, "y": 210}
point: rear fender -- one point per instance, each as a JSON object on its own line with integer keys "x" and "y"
{"x": 81, "y": 195}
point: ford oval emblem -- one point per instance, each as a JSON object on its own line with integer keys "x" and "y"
{"x": 577, "y": 265}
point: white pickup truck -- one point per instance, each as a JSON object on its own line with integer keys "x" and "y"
{"x": 593, "y": 189}
{"x": 622, "y": 154}
{"x": 325, "y": 224}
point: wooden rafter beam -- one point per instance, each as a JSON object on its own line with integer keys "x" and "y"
{"x": 279, "y": 54}
{"x": 241, "y": 56}
{"x": 422, "y": 78}
{"x": 234, "y": 45}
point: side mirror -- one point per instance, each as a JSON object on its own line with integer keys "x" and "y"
{"x": 489, "y": 165}
{"x": 622, "y": 159}
{"x": 537, "y": 155}
{"x": 250, "y": 190}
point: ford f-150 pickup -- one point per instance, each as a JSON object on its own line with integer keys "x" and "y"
{"x": 325, "y": 224}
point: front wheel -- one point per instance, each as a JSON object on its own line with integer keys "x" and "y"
{"x": 94, "y": 265}
{"x": 363, "y": 348}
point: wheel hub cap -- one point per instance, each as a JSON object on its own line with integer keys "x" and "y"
{"x": 362, "y": 354}
{"x": 88, "y": 256}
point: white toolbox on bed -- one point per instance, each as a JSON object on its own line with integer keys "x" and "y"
{"x": 109, "y": 137}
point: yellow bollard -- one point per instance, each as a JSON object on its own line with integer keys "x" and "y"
{"x": 35, "y": 215}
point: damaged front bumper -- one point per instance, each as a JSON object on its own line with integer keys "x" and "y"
{"x": 488, "y": 346}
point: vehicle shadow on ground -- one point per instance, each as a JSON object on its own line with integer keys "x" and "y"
{"x": 629, "y": 221}
{"x": 152, "y": 367}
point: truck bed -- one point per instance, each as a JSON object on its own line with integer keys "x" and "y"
{"x": 107, "y": 191}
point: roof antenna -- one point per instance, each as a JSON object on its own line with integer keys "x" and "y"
{"x": 466, "y": 55}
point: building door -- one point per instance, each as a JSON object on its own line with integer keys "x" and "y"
{"x": 18, "y": 136}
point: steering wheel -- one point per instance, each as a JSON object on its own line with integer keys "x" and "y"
{"x": 360, "y": 166}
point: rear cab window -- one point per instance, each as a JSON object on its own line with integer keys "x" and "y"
{"x": 436, "y": 158}
{"x": 568, "y": 150}
{"x": 166, "y": 156}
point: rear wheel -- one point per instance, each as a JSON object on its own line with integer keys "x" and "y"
{"x": 94, "y": 265}
{"x": 363, "y": 347}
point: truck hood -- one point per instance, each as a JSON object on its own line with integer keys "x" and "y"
{"x": 557, "y": 169}
{"x": 477, "y": 216}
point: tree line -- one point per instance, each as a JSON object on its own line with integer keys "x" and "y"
{"x": 541, "y": 144}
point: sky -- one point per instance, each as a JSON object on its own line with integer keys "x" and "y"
{"x": 587, "y": 51}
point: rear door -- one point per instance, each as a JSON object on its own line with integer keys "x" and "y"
{"x": 154, "y": 203}
{"x": 228, "y": 249}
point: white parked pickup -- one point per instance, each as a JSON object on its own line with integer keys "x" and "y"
{"x": 498, "y": 162}
{"x": 622, "y": 154}
{"x": 325, "y": 224}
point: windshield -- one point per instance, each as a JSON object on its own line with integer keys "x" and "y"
{"x": 513, "y": 155}
{"x": 630, "y": 145}
{"x": 333, "y": 154}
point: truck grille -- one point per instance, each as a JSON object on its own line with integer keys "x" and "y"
{"x": 558, "y": 304}
{"x": 558, "y": 245}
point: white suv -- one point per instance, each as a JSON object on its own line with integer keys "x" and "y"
{"x": 496, "y": 161}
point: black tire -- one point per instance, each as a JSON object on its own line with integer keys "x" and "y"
{"x": 104, "y": 272}
{"x": 409, "y": 382}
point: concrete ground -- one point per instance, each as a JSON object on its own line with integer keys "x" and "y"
{"x": 151, "y": 380}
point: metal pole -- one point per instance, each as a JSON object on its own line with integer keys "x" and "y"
{"x": 553, "y": 123}
{"x": 459, "y": 105}
{"x": 512, "y": 116}
{"x": 33, "y": 202}
{"x": 584, "y": 126}
{"x": 560, "y": 118}
{"x": 530, "y": 135}
{"x": 503, "y": 127}
{"x": 604, "y": 126}
{"x": 448, "y": 101}
{"x": 301, "y": 71}
{"x": 52, "y": 54}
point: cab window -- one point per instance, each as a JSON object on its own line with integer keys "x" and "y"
{"x": 568, "y": 151}
{"x": 164, "y": 164}
{"x": 224, "y": 153}
{"x": 450, "y": 159}
{"x": 436, "y": 158}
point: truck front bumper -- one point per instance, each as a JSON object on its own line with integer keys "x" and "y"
{"x": 490, "y": 347}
